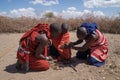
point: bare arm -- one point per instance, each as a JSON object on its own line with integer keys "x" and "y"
{"x": 39, "y": 52}
{"x": 77, "y": 42}
{"x": 92, "y": 38}
{"x": 71, "y": 44}
{"x": 42, "y": 40}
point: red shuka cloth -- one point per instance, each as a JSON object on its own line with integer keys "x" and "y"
{"x": 60, "y": 40}
{"x": 99, "y": 49}
{"x": 27, "y": 43}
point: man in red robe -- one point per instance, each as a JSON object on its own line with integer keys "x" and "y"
{"x": 60, "y": 37}
{"x": 94, "y": 49}
{"x": 32, "y": 51}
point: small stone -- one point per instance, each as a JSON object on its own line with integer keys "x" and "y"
{"x": 104, "y": 78}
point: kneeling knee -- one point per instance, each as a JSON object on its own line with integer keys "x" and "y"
{"x": 46, "y": 67}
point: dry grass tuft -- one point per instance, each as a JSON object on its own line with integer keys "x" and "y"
{"x": 22, "y": 24}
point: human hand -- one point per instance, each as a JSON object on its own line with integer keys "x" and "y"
{"x": 64, "y": 46}
{"x": 49, "y": 58}
{"x": 71, "y": 44}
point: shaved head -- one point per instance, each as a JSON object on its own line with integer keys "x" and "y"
{"x": 55, "y": 29}
{"x": 64, "y": 27}
{"x": 42, "y": 39}
{"x": 81, "y": 32}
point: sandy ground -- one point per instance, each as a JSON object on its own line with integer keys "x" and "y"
{"x": 111, "y": 71}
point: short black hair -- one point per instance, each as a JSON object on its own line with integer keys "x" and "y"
{"x": 42, "y": 39}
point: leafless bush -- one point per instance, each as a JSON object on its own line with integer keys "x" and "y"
{"x": 16, "y": 24}
{"x": 7, "y": 24}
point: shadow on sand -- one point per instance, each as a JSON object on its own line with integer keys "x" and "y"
{"x": 12, "y": 69}
{"x": 74, "y": 62}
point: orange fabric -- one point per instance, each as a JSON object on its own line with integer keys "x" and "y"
{"x": 60, "y": 40}
{"x": 28, "y": 44}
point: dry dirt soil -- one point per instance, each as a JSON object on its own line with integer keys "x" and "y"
{"x": 110, "y": 71}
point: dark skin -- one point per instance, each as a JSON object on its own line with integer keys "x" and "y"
{"x": 65, "y": 28}
{"x": 43, "y": 41}
{"x": 91, "y": 38}
{"x": 55, "y": 30}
